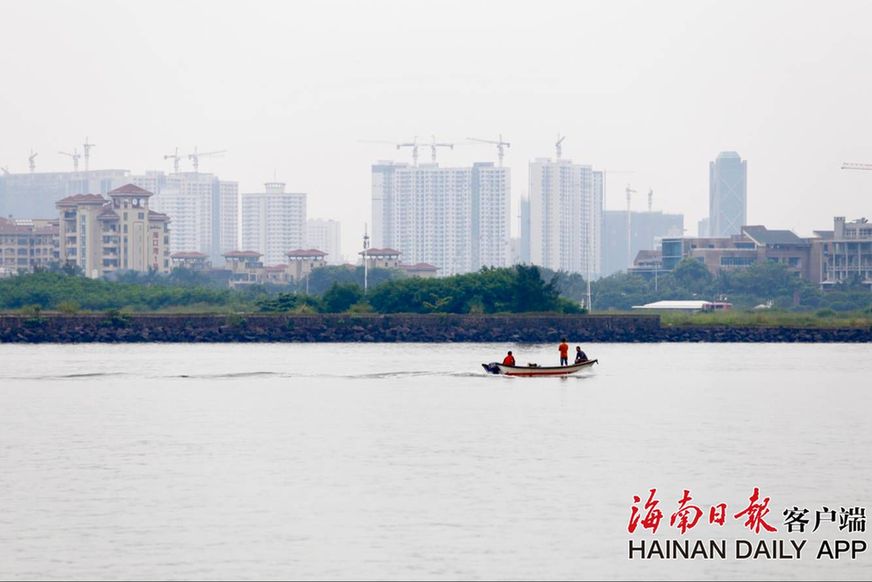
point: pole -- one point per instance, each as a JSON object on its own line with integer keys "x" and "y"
{"x": 365, "y": 257}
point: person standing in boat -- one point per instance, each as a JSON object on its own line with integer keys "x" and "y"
{"x": 509, "y": 360}
{"x": 564, "y": 352}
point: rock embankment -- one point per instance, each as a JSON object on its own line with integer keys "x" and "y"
{"x": 123, "y": 328}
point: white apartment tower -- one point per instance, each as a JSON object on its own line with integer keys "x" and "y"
{"x": 205, "y": 210}
{"x": 273, "y": 222}
{"x": 456, "y": 219}
{"x": 565, "y": 216}
{"x": 325, "y": 235}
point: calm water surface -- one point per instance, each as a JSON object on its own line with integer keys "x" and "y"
{"x": 406, "y": 461}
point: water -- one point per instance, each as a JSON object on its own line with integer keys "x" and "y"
{"x": 406, "y": 461}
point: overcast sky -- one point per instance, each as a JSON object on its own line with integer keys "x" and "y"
{"x": 658, "y": 88}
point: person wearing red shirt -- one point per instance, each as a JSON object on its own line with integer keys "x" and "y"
{"x": 509, "y": 360}
{"x": 564, "y": 352}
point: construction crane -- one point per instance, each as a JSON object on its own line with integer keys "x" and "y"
{"x": 433, "y": 145}
{"x": 501, "y": 146}
{"x": 854, "y": 166}
{"x": 414, "y": 145}
{"x": 175, "y": 157}
{"x": 75, "y": 156}
{"x": 650, "y": 199}
{"x": 86, "y": 147}
{"x": 195, "y": 157}
{"x": 31, "y": 161}
{"x": 558, "y": 145}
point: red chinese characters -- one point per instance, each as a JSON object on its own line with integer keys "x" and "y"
{"x": 652, "y": 516}
{"x": 755, "y": 512}
{"x": 687, "y": 515}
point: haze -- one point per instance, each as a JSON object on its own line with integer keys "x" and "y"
{"x": 292, "y": 88}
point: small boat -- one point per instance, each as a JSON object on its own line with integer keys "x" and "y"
{"x": 535, "y": 370}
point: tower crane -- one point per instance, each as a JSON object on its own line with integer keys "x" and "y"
{"x": 854, "y": 166}
{"x": 558, "y": 145}
{"x": 31, "y": 161}
{"x": 86, "y": 147}
{"x": 433, "y": 145}
{"x": 501, "y": 146}
{"x": 411, "y": 144}
{"x": 75, "y": 156}
{"x": 175, "y": 157}
{"x": 195, "y": 157}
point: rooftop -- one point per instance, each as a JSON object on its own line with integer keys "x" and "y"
{"x": 188, "y": 255}
{"x": 242, "y": 254}
{"x": 130, "y": 190}
{"x": 77, "y": 199}
{"x": 380, "y": 252}
{"x": 763, "y": 236}
{"x": 306, "y": 253}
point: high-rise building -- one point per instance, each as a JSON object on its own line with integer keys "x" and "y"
{"x": 28, "y": 195}
{"x": 728, "y": 194}
{"x": 457, "y": 219}
{"x": 524, "y": 251}
{"x": 273, "y": 222}
{"x": 325, "y": 235}
{"x": 104, "y": 236}
{"x": 205, "y": 210}
{"x": 646, "y": 231}
{"x": 565, "y": 223}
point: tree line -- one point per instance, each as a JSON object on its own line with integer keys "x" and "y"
{"x": 515, "y": 289}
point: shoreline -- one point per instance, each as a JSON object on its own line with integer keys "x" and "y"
{"x": 443, "y": 328}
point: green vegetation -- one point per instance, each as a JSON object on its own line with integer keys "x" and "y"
{"x": 72, "y": 293}
{"x": 770, "y": 284}
{"x": 789, "y": 301}
{"x": 516, "y": 290}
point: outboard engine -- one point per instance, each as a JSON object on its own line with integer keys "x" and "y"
{"x": 492, "y": 368}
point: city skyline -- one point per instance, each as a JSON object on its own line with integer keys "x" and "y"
{"x": 696, "y": 80}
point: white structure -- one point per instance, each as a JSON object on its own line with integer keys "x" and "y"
{"x": 204, "y": 209}
{"x": 273, "y": 222}
{"x": 566, "y": 216}
{"x": 326, "y": 235}
{"x": 457, "y": 219}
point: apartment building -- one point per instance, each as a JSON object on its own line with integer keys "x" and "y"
{"x": 122, "y": 233}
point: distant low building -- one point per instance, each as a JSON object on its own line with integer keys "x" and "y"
{"x": 382, "y": 258}
{"x": 191, "y": 260}
{"x": 755, "y": 244}
{"x": 245, "y": 268}
{"x": 844, "y": 254}
{"x": 27, "y": 245}
{"x": 422, "y": 270}
{"x": 301, "y": 262}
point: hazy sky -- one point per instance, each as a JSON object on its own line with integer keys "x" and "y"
{"x": 658, "y": 88}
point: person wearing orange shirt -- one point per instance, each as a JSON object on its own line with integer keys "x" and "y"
{"x": 564, "y": 352}
{"x": 509, "y": 360}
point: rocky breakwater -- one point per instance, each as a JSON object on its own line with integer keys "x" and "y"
{"x": 119, "y": 327}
